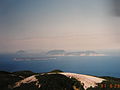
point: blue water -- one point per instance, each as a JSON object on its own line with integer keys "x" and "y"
{"x": 91, "y": 65}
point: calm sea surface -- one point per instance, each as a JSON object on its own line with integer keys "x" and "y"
{"x": 98, "y": 66}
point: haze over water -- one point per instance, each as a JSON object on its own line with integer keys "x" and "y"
{"x": 58, "y": 24}
{"x": 43, "y": 25}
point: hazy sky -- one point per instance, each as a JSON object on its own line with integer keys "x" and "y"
{"x": 58, "y": 24}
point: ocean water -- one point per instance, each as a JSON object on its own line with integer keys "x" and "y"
{"x": 91, "y": 65}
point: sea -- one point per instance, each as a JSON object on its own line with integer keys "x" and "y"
{"x": 90, "y": 65}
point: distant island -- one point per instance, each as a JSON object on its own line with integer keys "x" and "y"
{"x": 66, "y": 53}
{"x": 62, "y": 53}
{"x": 55, "y": 80}
{"x": 22, "y": 55}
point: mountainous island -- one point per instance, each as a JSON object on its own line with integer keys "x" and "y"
{"x": 22, "y": 55}
{"x": 74, "y": 53}
{"x": 55, "y": 80}
{"x": 62, "y": 53}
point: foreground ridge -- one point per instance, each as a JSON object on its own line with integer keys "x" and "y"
{"x": 87, "y": 80}
{"x": 55, "y": 80}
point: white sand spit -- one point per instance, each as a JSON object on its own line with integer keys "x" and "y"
{"x": 87, "y": 80}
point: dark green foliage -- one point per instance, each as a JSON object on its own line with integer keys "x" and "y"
{"x": 27, "y": 86}
{"x": 56, "y": 71}
{"x": 7, "y": 79}
{"x": 77, "y": 84}
{"x": 4, "y": 72}
{"x": 55, "y": 82}
{"x": 111, "y": 78}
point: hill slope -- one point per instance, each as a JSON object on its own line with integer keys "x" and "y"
{"x": 26, "y": 80}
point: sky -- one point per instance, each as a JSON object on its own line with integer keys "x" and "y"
{"x": 58, "y": 24}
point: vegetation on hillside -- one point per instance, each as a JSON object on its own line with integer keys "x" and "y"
{"x": 53, "y": 81}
